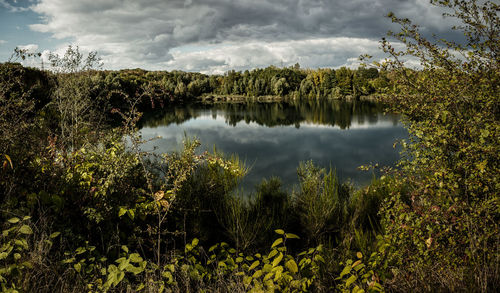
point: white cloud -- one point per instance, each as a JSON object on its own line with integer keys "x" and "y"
{"x": 215, "y": 35}
{"x": 3, "y": 42}
{"x": 311, "y": 53}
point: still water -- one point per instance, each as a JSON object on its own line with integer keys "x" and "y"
{"x": 273, "y": 137}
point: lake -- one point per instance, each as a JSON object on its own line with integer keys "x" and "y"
{"x": 273, "y": 137}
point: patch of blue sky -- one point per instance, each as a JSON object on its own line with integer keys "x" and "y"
{"x": 15, "y": 19}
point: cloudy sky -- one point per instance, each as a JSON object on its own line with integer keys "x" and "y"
{"x": 211, "y": 36}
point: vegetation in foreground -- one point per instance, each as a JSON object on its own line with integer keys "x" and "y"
{"x": 84, "y": 210}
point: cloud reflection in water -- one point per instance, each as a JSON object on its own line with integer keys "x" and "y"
{"x": 274, "y": 148}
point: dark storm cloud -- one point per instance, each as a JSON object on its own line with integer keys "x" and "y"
{"x": 134, "y": 33}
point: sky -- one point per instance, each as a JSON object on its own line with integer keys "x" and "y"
{"x": 211, "y": 36}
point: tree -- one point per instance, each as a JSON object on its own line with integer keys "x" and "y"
{"x": 441, "y": 220}
{"x": 75, "y": 98}
{"x": 344, "y": 81}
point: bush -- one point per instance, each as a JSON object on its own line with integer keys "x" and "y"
{"x": 442, "y": 227}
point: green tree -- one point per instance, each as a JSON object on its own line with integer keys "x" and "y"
{"x": 344, "y": 81}
{"x": 441, "y": 222}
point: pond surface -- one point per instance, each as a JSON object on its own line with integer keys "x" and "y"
{"x": 273, "y": 137}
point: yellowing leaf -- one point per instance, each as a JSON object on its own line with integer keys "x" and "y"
{"x": 10, "y": 161}
{"x": 428, "y": 242}
{"x": 159, "y": 195}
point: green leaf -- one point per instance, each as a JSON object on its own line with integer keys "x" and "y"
{"x": 318, "y": 257}
{"x": 268, "y": 276}
{"x": 123, "y": 265}
{"x": 278, "y": 259}
{"x": 25, "y": 229}
{"x": 272, "y": 253}
{"x": 169, "y": 277}
{"x": 121, "y": 212}
{"x": 13, "y": 220}
{"x": 247, "y": 280}
{"x": 345, "y": 271}
{"x": 257, "y": 274}
{"x": 80, "y": 250}
{"x": 131, "y": 214}
{"x": 279, "y": 231}
{"x": 125, "y": 248}
{"x": 291, "y": 265}
{"x": 277, "y": 242}
{"x": 291, "y": 236}
{"x": 69, "y": 260}
{"x": 195, "y": 242}
{"x": 135, "y": 258}
{"x": 350, "y": 280}
{"x": 78, "y": 267}
{"x": 54, "y": 235}
{"x": 119, "y": 279}
{"x": 170, "y": 267}
{"x": 140, "y": 287}
{"x": 254, "y": 265}
{"x": 134, "y": 270}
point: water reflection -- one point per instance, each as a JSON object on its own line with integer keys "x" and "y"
{"x": 274, "y": 137}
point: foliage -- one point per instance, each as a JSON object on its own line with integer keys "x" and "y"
{"x": 125, "y": 215}
{"x": 358, "y": 276}
{"x": 273, "y": 271}
{"x": 320, "y": 202}
{"x": 441, "y": 220}
{"x": 14, "y": 260}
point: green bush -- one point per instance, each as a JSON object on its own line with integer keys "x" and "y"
{"x": 441, "y": 220}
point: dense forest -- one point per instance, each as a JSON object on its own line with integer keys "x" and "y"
{"x": 84, "y": 208}
{"x": 271, "y": 81}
